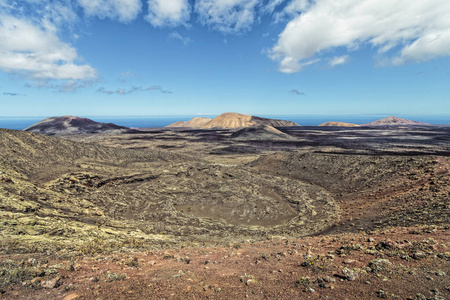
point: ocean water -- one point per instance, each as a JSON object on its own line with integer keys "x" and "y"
{"x": 20, "y": 123}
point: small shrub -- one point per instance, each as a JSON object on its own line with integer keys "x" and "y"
{"x": 14, "y": 273}
{"x": 304, "y": 283}
{"x": 132, "y": 262}
{"x": 116, "y": 276}
{"x": 316, "y": 263}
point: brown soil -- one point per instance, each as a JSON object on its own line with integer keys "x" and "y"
{"x": 399, "y": 263}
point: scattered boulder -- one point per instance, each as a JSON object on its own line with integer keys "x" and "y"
{"x": 350, "y": 275}
{"x": 52, "y": 283}
{"x": 71, "y": 297}
{"x": 379, "y": 264}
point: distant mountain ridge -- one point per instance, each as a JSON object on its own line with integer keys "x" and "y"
{"x": 234, "y": 120}
{"x": 338, "y": 124}
{"x": 66, "y": 125}
{"x": 390, "y": 121}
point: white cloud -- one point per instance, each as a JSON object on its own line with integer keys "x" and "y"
{"x": 184, "y": 39}
{"x": 339, "y": 60}
{"x": 122, "y": 10}
{"x": 290, "y": 65}
{"x": 59, "y": 13}
{"x": 169, "y": 13}
{"x": 35, "y": 52}
{"x": 420, "y": 28}
{"x": 272, "y": 5}
{"x": 294, "y": 8}
{"x": 227, "y": 16}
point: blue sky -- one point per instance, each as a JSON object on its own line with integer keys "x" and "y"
{"x": 260, "y": 57}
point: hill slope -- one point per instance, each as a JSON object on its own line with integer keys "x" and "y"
{"x": 73, "y": 125}
{"x": 260, "y": 133}
{"x": 394, "y": 121}
{"x": 236, "y": 120}
{"x": 196, "y": 122}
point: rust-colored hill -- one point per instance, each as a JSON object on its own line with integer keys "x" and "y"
{"x": 236, "y": 120}
{"x": 66, "y": 125}
{"x": 196, "y": 122}
{"x": 339, "y": 124}
{"x": 389, "y": 121}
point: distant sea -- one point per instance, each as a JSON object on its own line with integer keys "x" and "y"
{"x": 20, "y": 123}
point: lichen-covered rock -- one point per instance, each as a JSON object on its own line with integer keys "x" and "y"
{"x": 379, "y": 264}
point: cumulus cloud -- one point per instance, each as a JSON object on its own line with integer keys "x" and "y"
{"x": 34, "y": 51}
{"x": 122, "y": 10}
{"x": 294, "y": 8}
{"x": 168, "y": 13}
{"x": 420, "y": 29}
{"x": 230, "y": 16}
{"x": 339, "y": 60}
{"x": 133, "y": 89}
{"x": 184, "y": 39}
{"x": 297, "y": 92}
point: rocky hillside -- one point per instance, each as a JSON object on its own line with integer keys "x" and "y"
{"x": 73, "y": 125}
{"x": 236, "y": 120}
{"x": 389, "y": 121}
{"x": 260, "y": 133}
{"x": 196, "y": 122}
{"x": 231, "y": 121}
{"x": 79, "y": 191}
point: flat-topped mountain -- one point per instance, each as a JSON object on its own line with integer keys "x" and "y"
{"x": 73, "y": 125}
{"x": 339, "y": 124}
{"x": 234, "y": 120}
{"x": 196, "y": 122}
{"x": 389, "y": 121}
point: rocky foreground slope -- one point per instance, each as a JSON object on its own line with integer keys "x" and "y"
{"x": 158, "y": 195}
{"x": 88, "y": 221}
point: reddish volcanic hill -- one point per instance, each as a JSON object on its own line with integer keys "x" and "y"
{"x": 73, "y": 125}
{"x": 234, "y": 120}
{"x": 389, "y": 121}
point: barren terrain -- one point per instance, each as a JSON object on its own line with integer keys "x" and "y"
{"x": 330, "y": 212}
